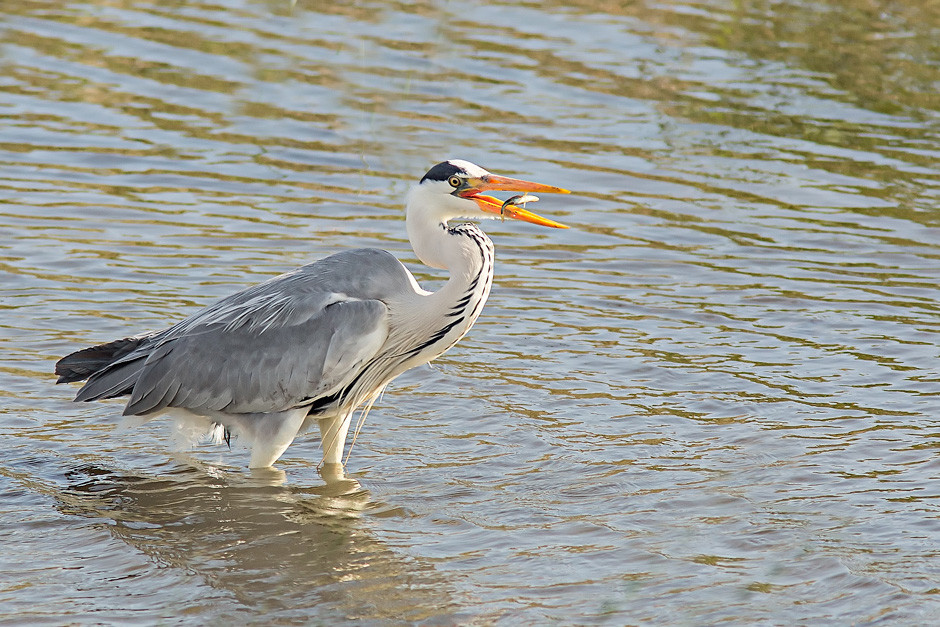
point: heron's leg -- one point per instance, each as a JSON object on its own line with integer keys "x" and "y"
{"x": 334, "y": 474}
{"x": 333, "y": 437}
{"x": 271, "y": 434}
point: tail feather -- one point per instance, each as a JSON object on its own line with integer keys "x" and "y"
{"x": 111, "y": 382}
{"x": 82, "y": 364}
{"x": 112, "y": 369}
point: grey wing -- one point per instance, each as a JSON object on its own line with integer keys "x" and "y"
{"x": 216, "y": 367}
{"x": 297, "y": 337}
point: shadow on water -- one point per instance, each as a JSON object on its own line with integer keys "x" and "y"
{"x": 270, "y": 549}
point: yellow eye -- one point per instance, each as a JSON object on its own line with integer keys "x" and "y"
{"x": 454, "y": 181}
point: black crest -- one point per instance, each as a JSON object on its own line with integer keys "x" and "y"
{"x": 443, "y": 171}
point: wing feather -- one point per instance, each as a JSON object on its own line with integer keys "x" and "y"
{"x": 240, "y": 369}
{"x": 289, "y": 340}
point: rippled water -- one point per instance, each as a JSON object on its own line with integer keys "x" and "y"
{"x": 714, "y": 400}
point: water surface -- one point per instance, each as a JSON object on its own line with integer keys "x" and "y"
{"x": 713, "y": 400}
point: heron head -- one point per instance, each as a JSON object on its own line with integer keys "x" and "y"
{"x": 456, "y": 187}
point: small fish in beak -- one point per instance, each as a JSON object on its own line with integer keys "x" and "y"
{"x": 515, "y": 201}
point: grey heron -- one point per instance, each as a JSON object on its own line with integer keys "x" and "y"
{"x": 316, "y": 343}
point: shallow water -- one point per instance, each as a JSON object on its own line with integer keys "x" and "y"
{"x": 713, "y": 400}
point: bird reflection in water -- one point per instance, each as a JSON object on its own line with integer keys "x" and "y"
{"x": 271, "y": 547}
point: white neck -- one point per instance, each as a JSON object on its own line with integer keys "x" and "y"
{"x": 427, "y": 219}
{"x": 464, "y": 250}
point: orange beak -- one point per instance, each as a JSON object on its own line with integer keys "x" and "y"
{"x": 493, "y": 182}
